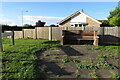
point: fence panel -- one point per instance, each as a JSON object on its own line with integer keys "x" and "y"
{"x": 42, "y": 32}
{"x": 56, "y": 33}
{"x": 29, "y": 33}
{"x": 8, "y": 32}
{"x": 18, "y": 34}
{"x": 111, "y": 35}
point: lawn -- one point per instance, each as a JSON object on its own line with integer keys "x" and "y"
{"x": 19, "y": 60}
{"x": 37, "y": 58}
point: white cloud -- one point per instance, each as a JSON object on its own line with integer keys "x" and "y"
{"x": 12, "y": 24}
{"x": 5, "y": 21}
{"x": 49, "y": 20}
{"x": 8, "y": 22}
{"x": 27, "y": 19}
{"x": 1, "y": 15}
{"x": 40, "y": 17}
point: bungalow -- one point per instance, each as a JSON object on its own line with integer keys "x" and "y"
{"x": 79, "y": 19}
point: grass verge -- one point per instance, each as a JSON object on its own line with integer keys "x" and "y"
{"x": 20, "y": 61}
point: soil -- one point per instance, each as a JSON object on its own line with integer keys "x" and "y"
{"x": 52, "y": 60}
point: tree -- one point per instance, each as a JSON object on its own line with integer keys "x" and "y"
{"x": 114, "y": 17}
{"x": 113, "y": 13}
{"x": 104, "y": 23}
{"x": 53, "y": 25}
{"x": 5, "y": 25}
{"x": 40, "y": 24}
{"x": 27, "y": 25}
{"x": 115, "y": 21}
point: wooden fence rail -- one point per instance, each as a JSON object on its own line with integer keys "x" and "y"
{"x": 109, "y": 35}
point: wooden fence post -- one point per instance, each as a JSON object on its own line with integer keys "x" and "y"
{"x": 23, "y": 33}
{"x": 50, "y": 33}
{"x": 36, "y": 32}
{"x": 102, "y": 31}
{"x": 13, "y": 41}
{"x": 0, "y": 39}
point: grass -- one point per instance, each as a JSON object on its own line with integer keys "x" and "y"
{"x": 20, "y": 61}
{"x": 114, "y": 49}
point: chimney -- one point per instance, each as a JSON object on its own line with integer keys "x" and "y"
{"x": 82, "y": 10}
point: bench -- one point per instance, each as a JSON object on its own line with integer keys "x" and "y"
{"x": 72, "y": 35}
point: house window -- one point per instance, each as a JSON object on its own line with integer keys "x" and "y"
{"x": 72, "y": 25}
{"x": 76, "y": 25}
{"x": 80, "y": 25}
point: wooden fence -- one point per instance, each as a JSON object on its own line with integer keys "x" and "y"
{"x": 109, "y": 35}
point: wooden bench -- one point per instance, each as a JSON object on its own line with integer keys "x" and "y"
{"x": 70, "y": 35}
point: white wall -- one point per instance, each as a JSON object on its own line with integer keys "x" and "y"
{"x": 79, "y": 18}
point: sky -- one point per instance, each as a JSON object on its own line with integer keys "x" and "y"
{"x": 50, "y": 12}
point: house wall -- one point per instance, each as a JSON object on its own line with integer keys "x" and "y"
{"x": 66, "y": 24}
{"x": 79, "y": 18}
{"x": 92, "y": 23}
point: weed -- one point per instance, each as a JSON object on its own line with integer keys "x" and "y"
{"x": 75, "y": 61}
{"x": 54, "y": 57}
{"x": 106, "y": 65}
{"x": 101, "y": 59}
{"x": 98, "y": 48}
{"x": 89, "y": 48}
{"x": 77, "y": 72}
{"x": 47, "y": 54}
{"x": 66, "y": 59}
{"x": 83, "y": 66}
{"x": 62, "y": 65}
{"x": 54, "y": 48}
{"x": 115, "y": 76}
{"x": 94, "y": 75}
